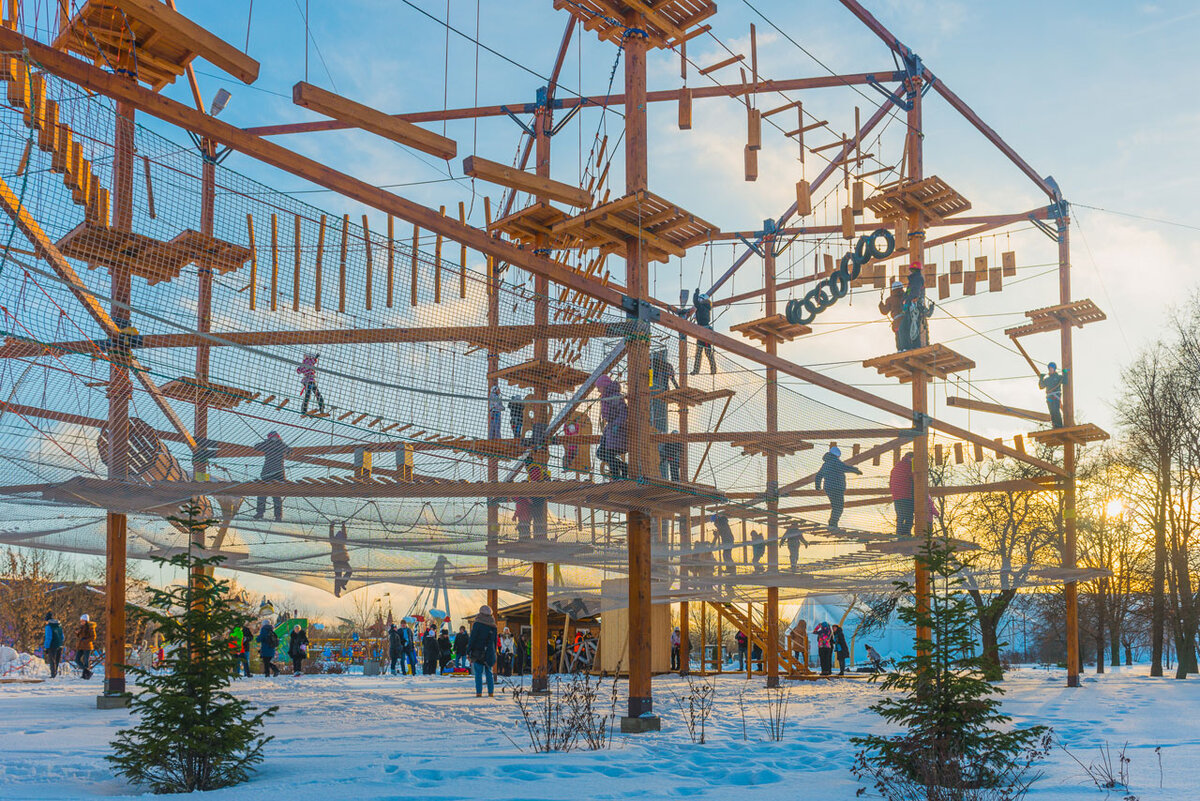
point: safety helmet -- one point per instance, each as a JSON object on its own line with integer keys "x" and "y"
{"x": 1052, "y": 366}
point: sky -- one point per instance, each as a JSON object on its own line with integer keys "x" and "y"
{"x": 1093, "y": 93}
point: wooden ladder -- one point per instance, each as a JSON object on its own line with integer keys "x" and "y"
{"x": 757, "y": 635}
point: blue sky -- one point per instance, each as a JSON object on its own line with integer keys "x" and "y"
{"x": 1096, "y": 94}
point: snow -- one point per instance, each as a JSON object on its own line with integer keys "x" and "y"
{"x": 363, "y": 738}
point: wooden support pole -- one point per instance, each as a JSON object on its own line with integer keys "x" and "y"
{"x": 370, "y": 263}
{"x": 253, "y": 262}
{"x": 318, "y": 272}
{"x": 274, "y": 261}
{"x": 462, "y": 254}
{"x": 296, "y": 264}
{"x": 772, "y": 488}
{"x": 1070, "y": 547}
{"x": 342, "y": 264}
{"x": 437, "y": 263}
{"x": 204, "y": 270}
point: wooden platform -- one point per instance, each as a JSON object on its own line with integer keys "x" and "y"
{"x": 664, "y": 229}
{"x": 148, "y": 39}
{"x": 660, "y": 497}
{"x": 210, "y": 393}
{"x": 693, "y": 396}
{"x": 500, "y": 340}
{"x": 935, "y": 361}
{"x": 931, "y": 197}
{"x": 526, "y": 225}
{"x": 205, "y": 250}
{"x": 535, "y": 373}
{"x": 142, "y": 256}
{"x": 665, "y": 22}
{"x": 775, "y": 444}
{"x": 776, "y": 327}
{"x": 1051, "y": 318}
{"x": 1073, "y": 435}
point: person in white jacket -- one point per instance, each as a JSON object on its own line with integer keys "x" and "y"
{"x": 507, "y": 649}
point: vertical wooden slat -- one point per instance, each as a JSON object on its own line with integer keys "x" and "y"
{"x": 253, "y": 263}
{"x": 1008, "y": 260}
{"x": 296, "y": 267}
{"x": 437, "y": 263}
{"x": 750, "y": 157}
{"x": 342, "y": 264}
{"x": 274, "y": 261}
{"x": 320, "y": 263}
{"x": 149, "y": 188}
{"x": 415, "y": 256}
{"x": 462, "y": 255}
{"x": 958, "y": 453}
{"x": 981, "y": 268}
{"x": 956, "y": 271}
{"x": 370, "y": 263}
{"x": 391, "y": 259}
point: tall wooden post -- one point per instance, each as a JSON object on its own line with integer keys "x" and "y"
{"x": 119, "y": 391}
{"x": 641, "y": 463}
{"x": 685, "y": 529}
{"x": 772, "y": 345}
{"x": 208, "y": 182}
{"x": 493, "y": 464}
{"x": 1070, "y": 590}
{"x": 539, "y": 612}
{"x": 920, "y": 383}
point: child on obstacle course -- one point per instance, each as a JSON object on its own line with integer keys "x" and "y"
{"x": 495, "y": 412}
{"x": 833, "y": 476}
{"x": 308, "y": 383}
{"x": 1053, "y": 381}
{"x": 794, "y": 539}
{"x": 614, "y": 413}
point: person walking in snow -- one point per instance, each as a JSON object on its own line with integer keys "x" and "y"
{"x": 298, "y": 648}
{"x": 833, "y": 476}
{"x": 460, "y": 648}
{"x": 274, "y": 451}
{"x": 520, "y": 654}
{"x": 408, "y": 649}
{"x": 244, "y": 654}
{"x": 429, "y": 651}
{"x": 308, "y": 383}
{"x": 675, "y": 641}
{"x": 394, "y": 647}
{"x": 481, "y": 646}
{"x": 508, "y": 648}
{"x": 268, "y": 641}
{"x": 840, "y": 648}
{"x": 85, "y": 643}
{"x": 824, "y": 634}
{"x": 798, "y": 641}
{"x": 52, "y": 643}
{"x": 445, "y": 650}
{"x": 742, "y": 642}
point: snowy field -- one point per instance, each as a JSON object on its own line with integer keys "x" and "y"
{"x": 359, "y": 738}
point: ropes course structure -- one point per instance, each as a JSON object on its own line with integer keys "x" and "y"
{"x": 399, "y": 393}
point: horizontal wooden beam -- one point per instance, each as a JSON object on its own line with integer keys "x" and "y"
{"x": 175, "y": 27}
{"x": 599, "y": 101}
{"x": 356, "y": 115}
{"x": 116, "y": 87}
{"x": 996, "y": 408}
{"x": 505, "y": 175}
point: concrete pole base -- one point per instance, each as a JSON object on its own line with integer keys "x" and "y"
{"x": 113, "y": 701}
{"x": 640, "y": 725}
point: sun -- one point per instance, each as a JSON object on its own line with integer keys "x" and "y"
{"x": 1115, "y": 507}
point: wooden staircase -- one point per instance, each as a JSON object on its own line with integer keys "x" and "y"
{"x": 757, "y": 635}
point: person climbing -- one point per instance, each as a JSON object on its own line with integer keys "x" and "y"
{"x": 794, "y": 539}
{"x": 298, "y": 648}
{"x": 833, "y": 476}
{"x": 900, "y": 483}
{"x": 495, "y": 412}
{"x": 516, "y": 415}
{"x": 893, "y": 307}
{"x": 308, "y": 383}
{"x": 915, "y": 311}
{"x": 703, "y": 307}
{"x": 724, "y": 535}
{"x": 85, "y": 643}
{"x": 340, "y": 558}
{"x": 460, "y": 648}
{"x": 840, "y": 648}
{"x": 676, "y": 639}
{"x": 481, "y": 646}
{"x": 670, "y": 456}
{"x": 52, "y": 643}
{"x": 662, "y": 378}
{"x": 613, "y": 413}
{"x": 408, "y": 649}
{"x": 274, "y": 451}
{"x": 268, "y": 641}
{"x": 758, "y": 549}
{"x": 1053, "y": 381}
{"x": 824, "y": 647}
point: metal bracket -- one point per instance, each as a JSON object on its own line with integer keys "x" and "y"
{"x": 641, "y": 310}
{"x": 1045, "y": 229}
{"x": 752, "y": 246}
{"x": 518, "y": 121}
{"x": 903, "y": 105}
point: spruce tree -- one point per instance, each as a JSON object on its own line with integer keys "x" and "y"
{"x": 192, "y": 734}
{"x": 955, "y": 743}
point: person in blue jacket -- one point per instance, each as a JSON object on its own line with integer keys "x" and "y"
{"x": 703, "y": 307}
{"x": 52, "y": 643}
{"x": 268, "y": 641}
{"x": 832, "y": 478}
{"x": 481, "y": 647}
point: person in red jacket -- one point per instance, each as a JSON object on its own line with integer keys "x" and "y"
{"x": 901, "y": 485}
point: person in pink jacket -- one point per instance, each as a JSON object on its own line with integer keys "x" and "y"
{"x": 901, "y": 485}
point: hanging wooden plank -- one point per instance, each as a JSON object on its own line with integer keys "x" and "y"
{"x": 721, "y": 64}
{"x": 391, "y": 258}
{"x": 995, "y": 281}
{"x": 320, "y": 263}
{"x": 751, "y": 160}
{"x": 969, "y": 282}
{"x": 370, "y": 261}
{"x": 847, "y": 223}
{"x": 685, "y": 109}
{"x": 999, "y": 441}
{"x": 296, "y": 268}
{"x": 253, "y": 263}
{"x": 683, "y": 60}
{"x": 981, "y": 268}
{"x": 753, "y": 129}
{"x": 978, "y": 451}
{"x": 803, "y": 198}
{"x": 753, "y": 54}
{"x": 437, "y": 263}
{"x": 416, "y": 241}
{"x": 60, "y": 155}
{"x": 342, "y": 264}
{"x": 938, "y": 456}
{"x": 47, "y": 136}
{"x": 1008, "y": 260}
{"x": 958, "y": 453}
{"x": 828, "y": 263}
{"x": 856, "y": 197}
{"x": 462, "y": 255}
{"x": 931, "y": 274}
{"x": 369, "y": 119}
{"x": 901, "y": 234}
{"x": 1019, "y": 443}
{"x": 956, "y": 271}
{"x": 274, "y": 261}
{"x": 943, "y": 286}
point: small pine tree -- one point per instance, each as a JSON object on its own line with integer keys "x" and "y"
{"x": 192, "y": 734}
{"x": 956, "y": 741}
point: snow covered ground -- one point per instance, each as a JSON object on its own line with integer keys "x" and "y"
{"x": 360, "y": 738}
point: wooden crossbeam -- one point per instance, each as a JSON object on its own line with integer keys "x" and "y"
{"x": 172, "y": 25}
{"x": 996, "y": 408}
{"x": 497, "y": 173}
{"x": 359, "y": 116}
